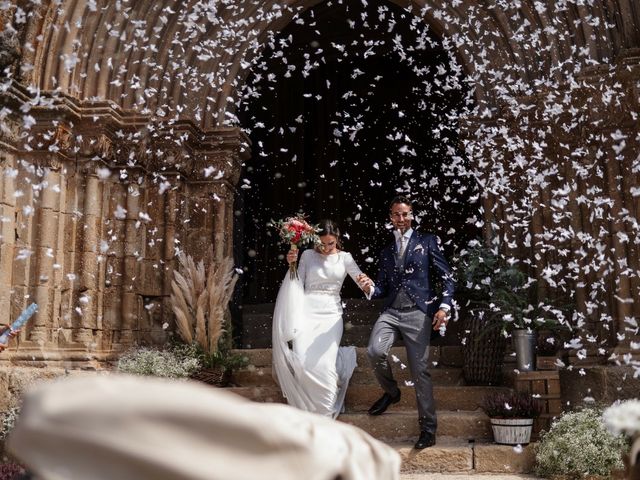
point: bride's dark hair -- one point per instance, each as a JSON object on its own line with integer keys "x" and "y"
{"x": 329, "y": 227}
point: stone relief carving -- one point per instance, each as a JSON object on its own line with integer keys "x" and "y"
{"x": 9, "y": 48}
{"x": 63, "y": 138}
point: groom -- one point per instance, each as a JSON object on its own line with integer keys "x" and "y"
{"x": 411, "y": 311}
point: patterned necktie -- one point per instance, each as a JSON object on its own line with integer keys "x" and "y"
{"x": 403, "y": 246}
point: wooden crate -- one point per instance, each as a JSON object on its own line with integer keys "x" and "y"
{"x": 546, "y": 363}
{"x": 545, "y": 385}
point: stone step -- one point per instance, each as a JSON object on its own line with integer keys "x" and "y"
{"x": 256, "y": 331}
{"x": 359, "y": 317}
{"x": 350, "y": 304}
{"x": 440, "y": 375}
{"x": 263, "y": 376}
{"x": 403, "y": 425}
{"x": 356, "y": 335}
{"x": 395, "y": 424}
{"x": 263, "y": 394}
{"x": 439, "y": 356}
{"x": 455, "y": 455}
{"x": 360, "y": 397}
{"x": 354, "y": 317}
{"x": 450, "y": 398}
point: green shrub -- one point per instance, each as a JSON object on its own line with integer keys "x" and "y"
{"x": 511, "y": 405}
{"x": 177, "y": 362}
{"x": 577, "y": 445}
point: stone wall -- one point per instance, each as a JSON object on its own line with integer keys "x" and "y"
{"x": 94, "y": 210}
{"x": 99, "y": 269}
{"x": 571, "y": 206}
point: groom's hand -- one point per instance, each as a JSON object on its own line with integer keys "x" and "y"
{"x": 439, "y": 318}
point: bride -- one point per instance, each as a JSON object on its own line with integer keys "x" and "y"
{"x": 313, "y": 371}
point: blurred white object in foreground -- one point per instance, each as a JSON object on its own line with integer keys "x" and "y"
{"x": 133, "y": 428}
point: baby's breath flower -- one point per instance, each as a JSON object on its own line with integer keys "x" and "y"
{"x": 176, "y": 363}
{"x": 7, "y": 421}
{"x": 600, "y": 452}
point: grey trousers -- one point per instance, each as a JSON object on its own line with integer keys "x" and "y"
{"x": 414, "y": 328}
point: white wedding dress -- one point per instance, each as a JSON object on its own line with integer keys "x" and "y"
{"x": 313, "y": 371}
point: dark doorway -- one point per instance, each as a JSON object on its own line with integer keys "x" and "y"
{"x": 346, "y": 107}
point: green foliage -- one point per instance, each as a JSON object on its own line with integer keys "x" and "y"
{"x": 230, "y": 361}
{"x": 223, "y": 356}
{"x": 8, "y": 421}
{"x": 577, "y": 445}
{"x": 511, "y": 405}
{"x": 501, "y": 293}
{"x": 179, "y": 361}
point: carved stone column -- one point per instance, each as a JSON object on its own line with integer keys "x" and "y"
{"x": 86, "y": 318}
{"x": 233, "y": 149}
{"x": 7, "y": 232}
{"x": 115, "y": 254}
{"x": 213, "y": 169}
{"x": 223, "y": 222}
{"x": 130, "y": 307}
{"x": 171, "y": 208}
{"x": 47, "y": 208}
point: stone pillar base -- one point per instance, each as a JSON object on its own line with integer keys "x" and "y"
{"x": 70, "y": 358}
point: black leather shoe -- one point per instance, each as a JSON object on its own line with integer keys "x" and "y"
{"x": 426, "y": 440}
{"x": 383, "y": 403}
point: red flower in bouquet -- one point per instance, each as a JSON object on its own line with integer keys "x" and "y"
{"x": 296, "y": 231}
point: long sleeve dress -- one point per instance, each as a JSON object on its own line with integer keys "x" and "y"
{"x": 311, "y": 368}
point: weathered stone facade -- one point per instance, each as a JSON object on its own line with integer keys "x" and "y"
{"x": 93, "y": 236}
{"x": 601, "y": 202}
{"x": 96, "y": 252}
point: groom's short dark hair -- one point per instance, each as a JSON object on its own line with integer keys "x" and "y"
{"x": 400, "y": 199}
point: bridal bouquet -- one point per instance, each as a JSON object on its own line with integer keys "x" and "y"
{"x": 296, "y": 231}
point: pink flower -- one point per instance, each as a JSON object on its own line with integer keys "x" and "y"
{"x": 296, "y": 230}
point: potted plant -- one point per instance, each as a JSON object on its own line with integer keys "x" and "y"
{"x": 199, "y": 300}
{"x": 521, "y": 315}
{"x": 512, "y": 414}
{"x": 484, "y": 346}
{"x": 503, "y": 301}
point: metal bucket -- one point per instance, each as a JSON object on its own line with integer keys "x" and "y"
{"x": 525, "y": 345}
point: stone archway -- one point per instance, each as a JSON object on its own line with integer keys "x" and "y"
{"x": 342, "y": 124}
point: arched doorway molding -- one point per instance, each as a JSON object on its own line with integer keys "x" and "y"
{"x": 333, "y": 179}
{"x": 92, "y": 62}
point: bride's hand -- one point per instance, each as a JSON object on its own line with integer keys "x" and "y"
{"x": 292, "y": 256}
{"x": 364, "y": 282}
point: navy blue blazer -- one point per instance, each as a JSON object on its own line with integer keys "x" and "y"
{"x": 422, "y": 254}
